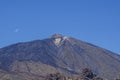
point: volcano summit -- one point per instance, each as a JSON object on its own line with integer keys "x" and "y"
{"x": 35, "y": 59}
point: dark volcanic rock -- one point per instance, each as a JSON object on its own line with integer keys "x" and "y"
{"x": 59, "y": 54}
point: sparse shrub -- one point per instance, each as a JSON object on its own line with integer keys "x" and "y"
{"x": 87, "y": 73}
{"x": 118, "y": 77}
{"x": 97, "y": 78}
{"x": 56, "y": 76}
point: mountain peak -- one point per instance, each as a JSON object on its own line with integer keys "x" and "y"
{"x": 58, "y": 38}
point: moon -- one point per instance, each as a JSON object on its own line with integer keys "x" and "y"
{"x": 16, "y": 30}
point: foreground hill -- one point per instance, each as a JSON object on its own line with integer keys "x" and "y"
{"x": 36, "y": 59}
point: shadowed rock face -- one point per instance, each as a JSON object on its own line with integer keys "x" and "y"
{"x": 58, "y": 54}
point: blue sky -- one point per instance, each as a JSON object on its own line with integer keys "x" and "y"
{"x": 94, "y": 21}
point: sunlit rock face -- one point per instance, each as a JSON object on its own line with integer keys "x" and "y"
{"x": 58, "y": 39}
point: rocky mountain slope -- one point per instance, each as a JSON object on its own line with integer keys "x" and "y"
{"x": 33, "y": 60}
